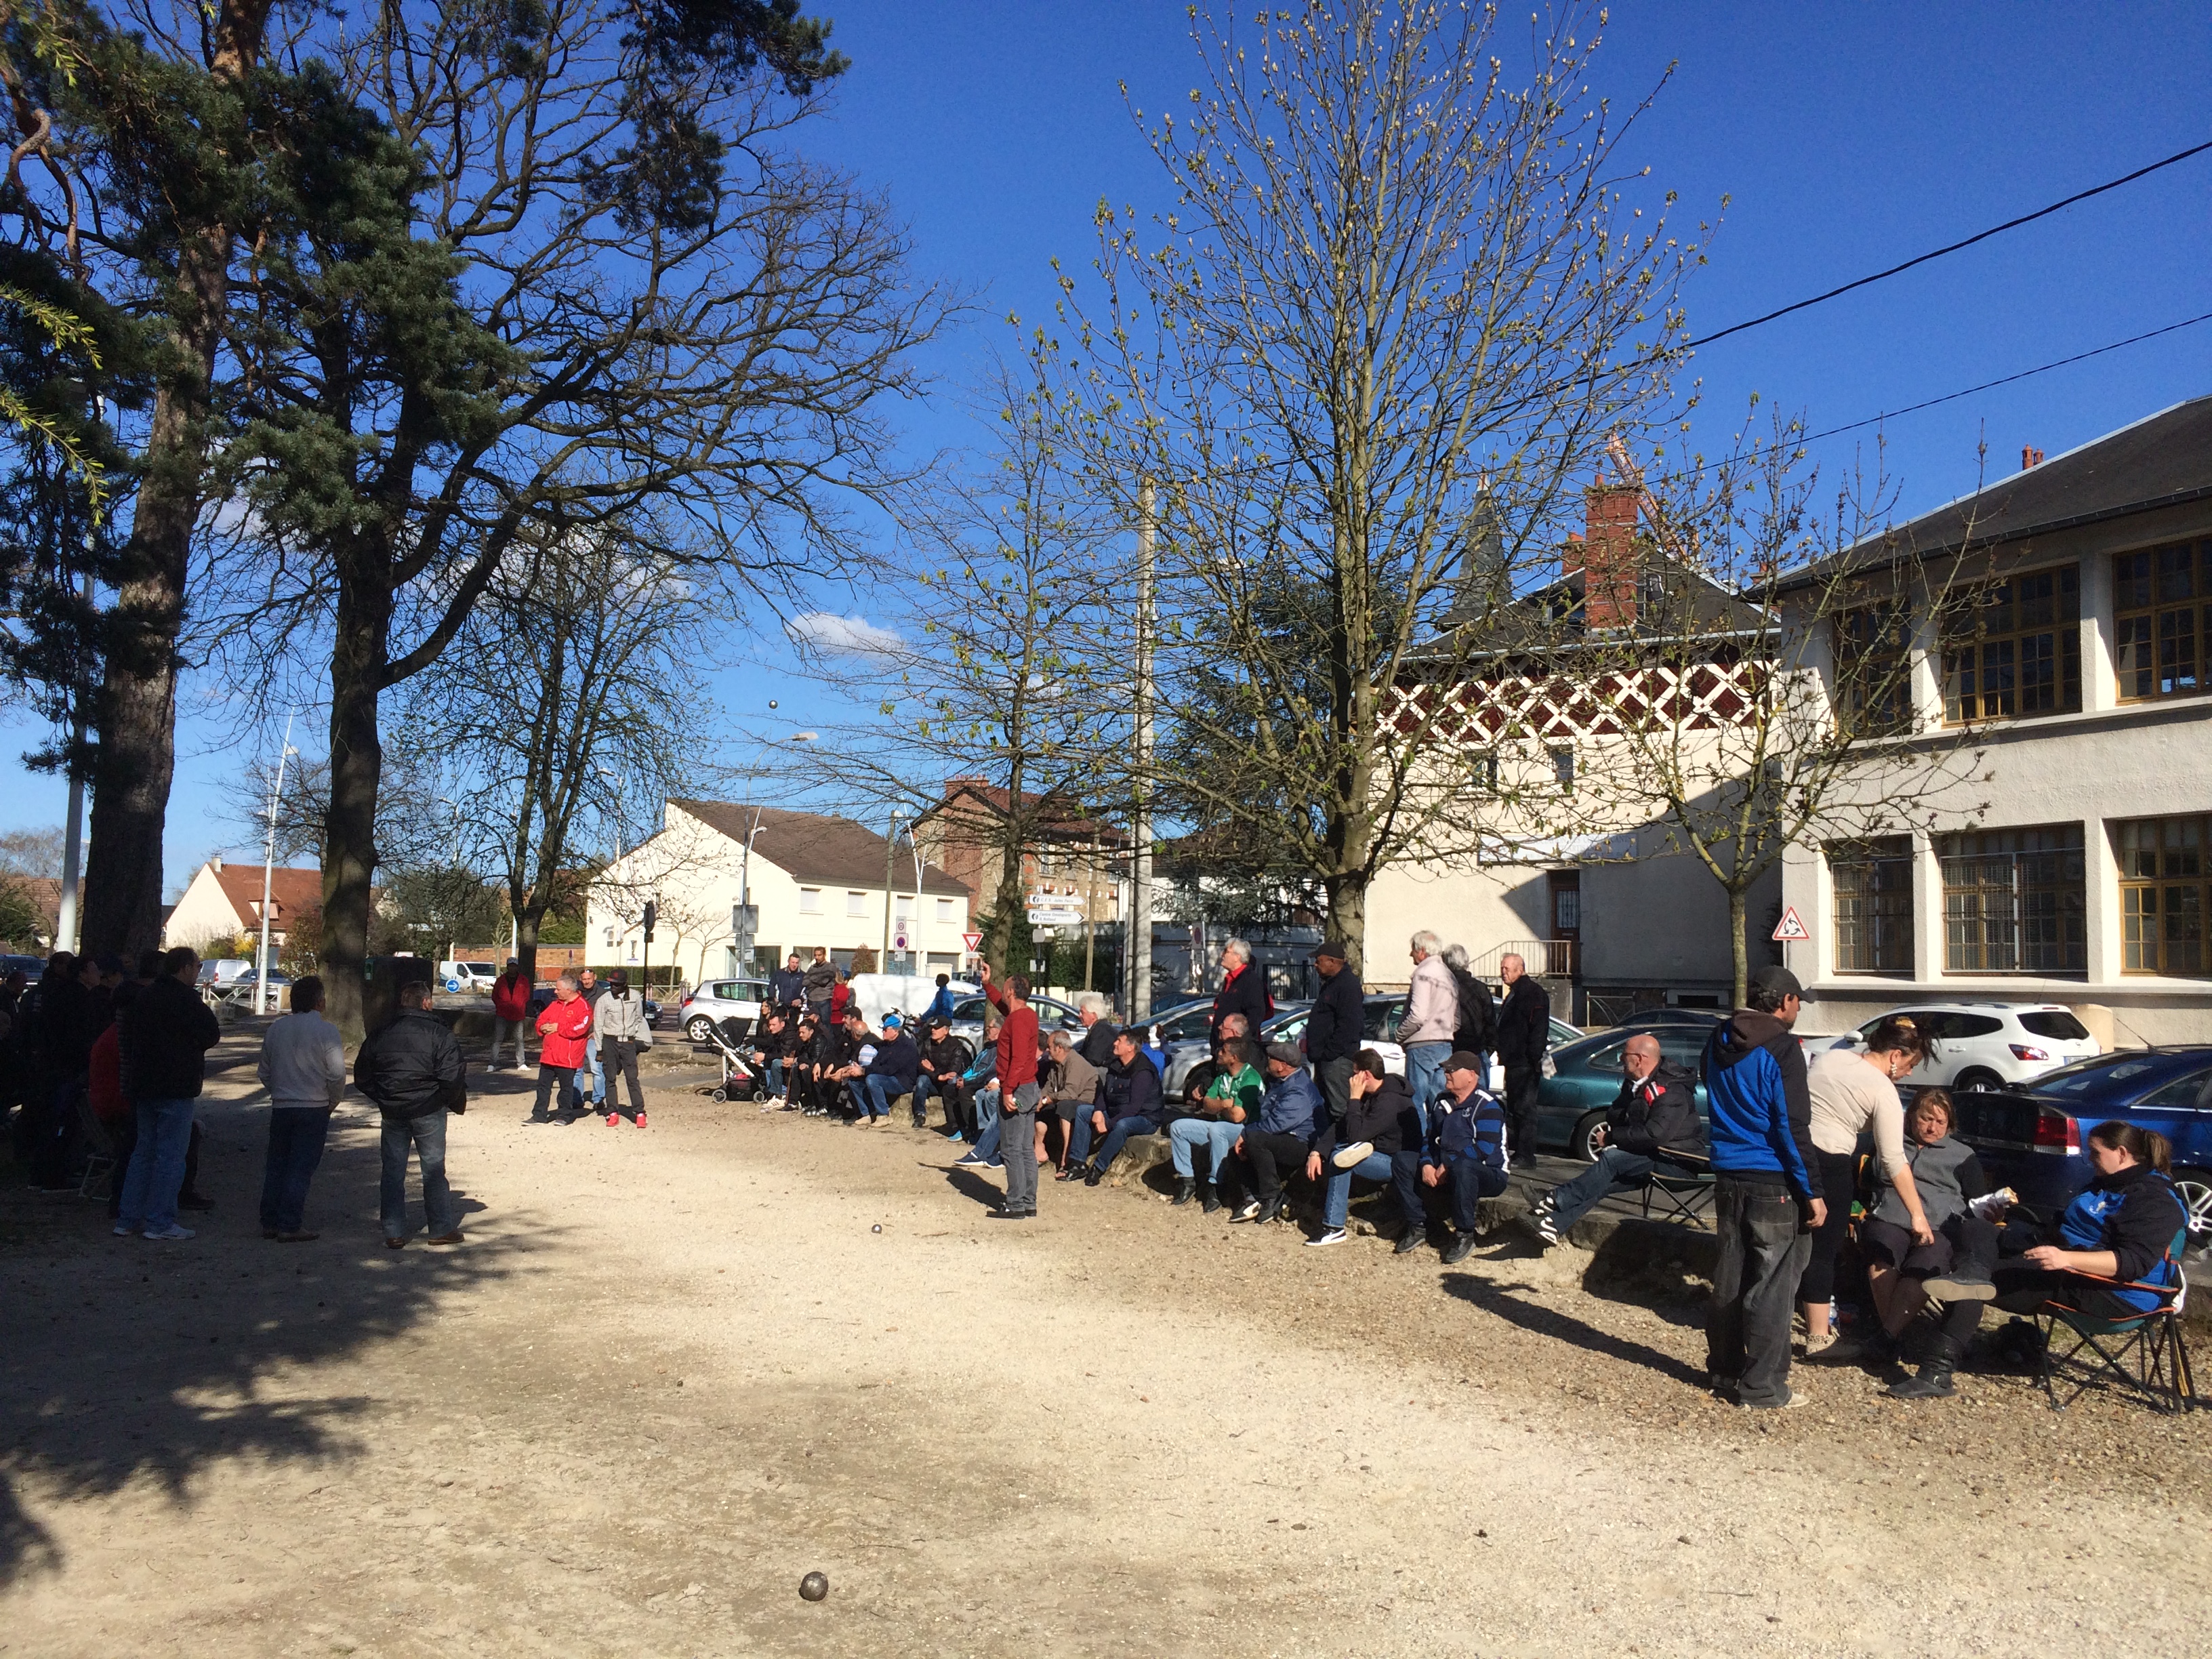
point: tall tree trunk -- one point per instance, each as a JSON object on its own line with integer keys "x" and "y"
{"x": 1347, "y": 917}
{"x": 135, "y": 708}
{"x": 1739, "y": 947}
{"x": 357, "y": 672}
{"x": 528, "y": 918}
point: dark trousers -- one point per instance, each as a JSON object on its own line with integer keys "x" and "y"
{"x": 1334, "y": 1076}
{"x": 620, "y": 1054}
{"x": 1762, "y": 1259}
{"x": 296, "y": 1136}
{"x": 1522, "y": 1083}
{"x": 1466, "y": 1180}
{"x": 1839, "y": 1175}
{"x": 1268, "y": 1155}
{"x": 553, "y": 1079}
{"x": 54, "y": 1132}
{"x": 2022, "y": 1288}
{"x": 123, "y": 1131}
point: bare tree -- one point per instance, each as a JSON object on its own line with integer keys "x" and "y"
{"x": 1404, "y": 293}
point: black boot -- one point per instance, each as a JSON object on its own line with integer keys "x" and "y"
{"x": 1209, "y": 1199}
{"x": 1934, "y": 1382}
{"x": 1870, "y": 1346}
{"x": 1186, "y": 1189}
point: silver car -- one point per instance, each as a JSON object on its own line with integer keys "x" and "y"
{"x": 707, "y": 1006}
{"x": 1052, "y": 1014}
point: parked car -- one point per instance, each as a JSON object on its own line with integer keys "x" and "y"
{"x": 707, "y": 1006}
{"x": 1191, "y": 1069}
{"x": 239, "y": 993}
{"x": 467, "y": 976}
{"x": 29, "y": 966}
{"x": 1582, "y": 1078}
{"x": 221, "y": 971}
{"x": 1987, "y": 1045}
{"x": 2031, "y": 1138}
{"x": 1051, "y": 1012}
{"x": 1653, "y": 1019}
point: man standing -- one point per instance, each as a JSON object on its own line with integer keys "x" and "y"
{"x": 1655, "y": 1118}
{"x": 1766, "y": 1190}
{"x": 510, "y": 1010}
{"x": 166, "y": 1034}
{"x": 564, "y": 1032}
{"x": 1336, "y": 1027}
{"x": 1432, "y": 1016}
{"x": 412, "y": 1070}
{"x": 786, "y": 985}
{"x": 303, "y": 1068}
{"x": 1243, "y": 990}
{"x": 588, "y": 986}
{"x": 1524, "y": 1032}
{"x": 1018, "y": 1092}
{"x": 618, "y": 1031}
{"x": 819, "y": 983}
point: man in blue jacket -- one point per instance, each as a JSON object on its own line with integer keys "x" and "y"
{"x": 890, "y": 1074}
{"x": 1280, "y": 1135}
{"x": 1766, "y": 1190}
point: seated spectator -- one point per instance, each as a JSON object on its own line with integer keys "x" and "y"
{"x": 943, "y": 1058}
{"x": 1072, "y": 1090}
{"x": 848, "y": 1059}
{"x": 889, "y": 1074}
{"x": 2116, "y": 1238}
{"x": 775, "y": 1048}
{"x": 1278, "y": 1136}
{"x": 1218, "y": 1123}
{"x": 1653, "y": 1121}
{"x": 799, "y": 1087}
{"x": 1378, "y": 1140}
{"x": 1136, "y": 1107}
{"x": 1938, "y": 1236}
{"x": 1466, "y": 1147}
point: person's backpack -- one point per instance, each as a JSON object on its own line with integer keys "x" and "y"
{"x": 1477, "y": 1029}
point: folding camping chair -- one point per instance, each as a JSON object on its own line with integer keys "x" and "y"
{"x": 1682, "y": 1191}
{"x": 2143, "y": 1354}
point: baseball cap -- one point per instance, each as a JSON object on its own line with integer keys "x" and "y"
{"x": 1460, "y": 1061}
{"x": 891, "y": 1020}
{"x": 1778, "y": 981}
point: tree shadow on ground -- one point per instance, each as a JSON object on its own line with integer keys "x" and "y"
{"x": 1534, "y": 1317}
{"x": 123, "y": 1361}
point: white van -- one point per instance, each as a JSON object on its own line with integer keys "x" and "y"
{"x": 467, "y": 976}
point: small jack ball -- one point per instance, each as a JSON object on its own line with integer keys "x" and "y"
{"x": 813, "y": 1587}
{"x": 877, "y": 1228}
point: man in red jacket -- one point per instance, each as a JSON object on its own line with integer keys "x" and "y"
{"x": 1018, "y": 1092}
{"x": 510, "y": 1010}
{"x": 565, "y": 1028}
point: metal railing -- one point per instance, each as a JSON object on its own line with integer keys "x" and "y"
{"x": 1548, "y": 959}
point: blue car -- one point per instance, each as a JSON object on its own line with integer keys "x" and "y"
{"x": 2032, "y": 1139}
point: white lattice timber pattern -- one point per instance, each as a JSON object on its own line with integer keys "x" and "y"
{"x": 1701, "y": 697}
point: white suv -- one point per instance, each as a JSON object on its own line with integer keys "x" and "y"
{"x": 1987, "y": 1045}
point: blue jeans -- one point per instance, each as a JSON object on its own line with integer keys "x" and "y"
{"x": 921, "y": 1081}
{"x": 775, "y": 1077}
{"x": 871, "y": 1097}
{"x": 426, "y": 1135}
{"x": 1424, "y": 1072}
{"x": 986, "y": 1129}
{"x": 1117, "y": 1131}
{"x": 599, "y": 1076}
{"x": 157, "y": 1164}
{"x": 1402, "y": 1170}
{"x": 1217, "y": 1134}
{"x": 296, "y": 1134}
{"x": 1616, "y": 1171}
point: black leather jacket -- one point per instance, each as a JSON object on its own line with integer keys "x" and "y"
{"x": 412, "y": 1068}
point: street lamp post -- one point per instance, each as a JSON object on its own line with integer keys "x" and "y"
{"x": 269, "y": 874}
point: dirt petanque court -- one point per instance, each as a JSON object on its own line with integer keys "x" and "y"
{"x": 675, "y": 1370}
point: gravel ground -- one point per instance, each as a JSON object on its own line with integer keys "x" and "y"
{"x": 676, "y": 1369}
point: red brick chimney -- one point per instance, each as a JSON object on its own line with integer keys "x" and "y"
{"x": 2030, "y": 455}
{"x": 1607, "y": 552}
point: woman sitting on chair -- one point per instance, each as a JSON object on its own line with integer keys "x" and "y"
{"x": 2121, "y": 1229}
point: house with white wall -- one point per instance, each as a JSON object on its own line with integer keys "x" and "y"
{"x": 816, "y": 881}
{"x": 2060, "y": 620}
{"x": 224, "y": 899}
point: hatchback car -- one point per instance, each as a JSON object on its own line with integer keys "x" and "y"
{"x": 2031, "y": 1138}
{"x": 1052, "y": 1015}
{"x": 1987, "y": 1045}
{"x": 1582, "y": 1078}
{"x": 707, "y": 1006}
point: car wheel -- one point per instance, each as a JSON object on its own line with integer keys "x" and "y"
{"x": 1976, "y": 1076}
{"x": 2195, "y": 1187}
{"x": 701, "y": 1030}
{"x": 1584, "y": 1145}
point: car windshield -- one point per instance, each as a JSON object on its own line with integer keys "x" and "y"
{"x": 2086, "y": 1076}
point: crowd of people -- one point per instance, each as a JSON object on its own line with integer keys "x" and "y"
{"x": 1779, "y": 1139}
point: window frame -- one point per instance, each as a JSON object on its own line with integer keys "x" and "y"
{"x": 2145, "y": 603}
{"x": 1869, "y": 639}
{"x": 2160, "y": 886}
{"x": 813, "y": 893}
{"x": 1886, "y": 854}
{"x": 856, "y": 903}
{"x": 1994, "y": 606}
{"x": 2056, "y": 908}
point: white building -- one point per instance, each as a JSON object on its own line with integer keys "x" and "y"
{"x": 2066, "y": 613}
{"x": 816, "y": 881}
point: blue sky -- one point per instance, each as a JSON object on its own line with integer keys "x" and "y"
{"x": 1848, "y": 138}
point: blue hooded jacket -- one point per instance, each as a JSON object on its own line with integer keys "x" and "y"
{"x": 1761, "y": 1111}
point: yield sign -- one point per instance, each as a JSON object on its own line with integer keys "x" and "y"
{"x": 973, "y": 942}
{"x": 1792, "y": 926}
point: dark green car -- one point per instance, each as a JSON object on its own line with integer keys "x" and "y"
{"x": 1582, "y": 1078}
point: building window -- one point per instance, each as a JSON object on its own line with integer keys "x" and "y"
{"x": 905, "y": 907}
{"x": 1874, "y": 668}
{"x": 2163, "y": 896}
{"x": 1563, "y": 766}
{"x": 809, "y": 901}
{"x": 1873, "y": 882}
{"x": 2014, "y": 648}
{"x": 945, "y": 909}
{"x": 856, "y": 904}
{"x": 2014, "y": 902}
{"x": 2158, "y": 620}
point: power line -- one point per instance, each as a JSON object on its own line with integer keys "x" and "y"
{"x": 1994, "y": 230}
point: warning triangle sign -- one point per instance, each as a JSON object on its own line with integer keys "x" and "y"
{"x": 1792, "y": 927}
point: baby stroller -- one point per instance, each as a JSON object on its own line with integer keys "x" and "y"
{"x": 740, "y": 1080}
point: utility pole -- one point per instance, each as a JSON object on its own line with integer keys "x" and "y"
{"x": 269, "y": 875}
{"x": 891, "y": 863}
{"x": 1140, "y": 918}
{"x": 1090, "y": 913}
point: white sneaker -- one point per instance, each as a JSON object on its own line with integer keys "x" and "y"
{"x": 170, "y": 1234}
{"x": 1245, "y": 1212}
{"x": 1547, "y": 1228}
{"x": 122, "y": 1229}
{"x": 1333, "y": 1236}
